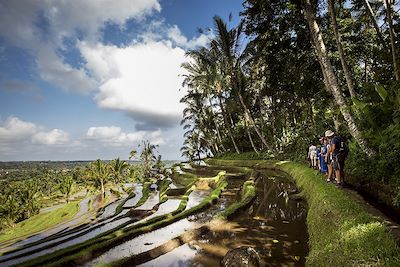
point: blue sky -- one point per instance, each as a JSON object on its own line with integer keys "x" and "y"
{"x": 92, "y": 79}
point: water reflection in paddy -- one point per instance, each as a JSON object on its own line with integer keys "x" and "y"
{"x": 274, "y": 225}
{"x": 156, "y": 238}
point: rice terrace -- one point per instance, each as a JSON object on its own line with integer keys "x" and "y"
{"x": 199, "y": 133}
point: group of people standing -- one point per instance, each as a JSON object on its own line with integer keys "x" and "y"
{"x": 329, "y": 157}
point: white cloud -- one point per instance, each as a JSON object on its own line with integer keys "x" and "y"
{"x": 23, "y": 140}
{"x": 14, "y": 129}
{"x": 53, "y": 137}
{"x": 142, "y": 79}
{"x": 15, "y": 132}
{"x": 175, "y": 34}
{"x": 53, "y": 70}
{"x": 20, "y": 20}
{"x": 64, "y": 18}
{"x": 114, "y": 136}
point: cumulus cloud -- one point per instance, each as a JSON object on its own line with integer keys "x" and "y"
{"x": 114, "y": 136}
{"x": 142, "y": 80}
{"x": 41, "y": 27}
{"x": 15, "y": 133}
{"x": 14, "y": 129}
{"x": 53, "y": 70}
{"x": 53, "y": 137}
{"x": 175, "y": 34}
{"x": 24, "y": 140}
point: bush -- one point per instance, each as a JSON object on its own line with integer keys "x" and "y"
{"x": 383, "y": 168}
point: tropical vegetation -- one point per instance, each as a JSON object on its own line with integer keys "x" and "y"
{"x": 289, "y": 71}
{"x": 27, "y": 188}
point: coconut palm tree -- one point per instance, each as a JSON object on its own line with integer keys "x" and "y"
{"x": 29, "y": 193}
{"x": 98, "y": 172}
{"x": 230, "y": 57}
{"x": 202, "y": 78}
{"x": 117, "y": 168}
{"x": 205, "y": 76}
{"x": 147, "y": 156}
{"x": 66, "y": 186}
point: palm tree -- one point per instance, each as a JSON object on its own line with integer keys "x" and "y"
{"x": 338, "y": 38}
{"x": 132, "y": 154}
{"x": 135, "y": 173}
{"x": 389, "y": 11}
{"x": 205, "y": 78}
{"x": 147, "y": 156}
{"x": 29, "y": 193}
{"x": 10, "y": 209}
{"x": 66, "y": 186}
{"x": 331, "y": 81}
{"x": 199, "y": 119}
{"x": 117, "y": 168}
{"x": 98, "y": 172}
{"x": 230, "y": 57}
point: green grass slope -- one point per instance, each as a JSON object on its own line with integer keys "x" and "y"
{"x": 342, "y": 233}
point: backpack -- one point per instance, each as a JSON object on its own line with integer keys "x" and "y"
{"x": 344, "y": 148}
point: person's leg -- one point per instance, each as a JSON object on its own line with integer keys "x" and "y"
{"x": 338, "y": 170}
{"x": 329, "y": 172}
{"x": 338, "y": 176}
{"x": 319, "y": 163}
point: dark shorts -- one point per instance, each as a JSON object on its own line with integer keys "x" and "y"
{"x": 338, "y": 162}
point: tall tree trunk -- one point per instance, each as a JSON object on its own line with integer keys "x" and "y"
{"x": 336, "y": 122}
{"x": 250, "y": 138}
{"x": 216, "y": 128}
{"x": 392, "y": 42}
{"x": 103, "y": 192}
{"x": 331, "y": 80}
{"x": 227, "y": 125}
{"x": 252, "y": 122}
{"x": 373, "y": 19}
{"x": 262, "y": 119}
{"x": 338, "y": 38}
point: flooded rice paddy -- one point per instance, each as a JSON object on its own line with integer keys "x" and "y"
{"x": 274, "y": 224}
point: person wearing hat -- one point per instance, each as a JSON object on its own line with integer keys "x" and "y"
{"x": 337, "y": 158}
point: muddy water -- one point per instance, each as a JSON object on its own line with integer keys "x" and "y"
{"x": 274, "y": 225}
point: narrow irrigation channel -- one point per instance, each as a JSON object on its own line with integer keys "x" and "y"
{"x": 194, "y": 219}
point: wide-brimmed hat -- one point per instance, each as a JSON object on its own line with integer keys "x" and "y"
{"x": 329, "y": 133}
